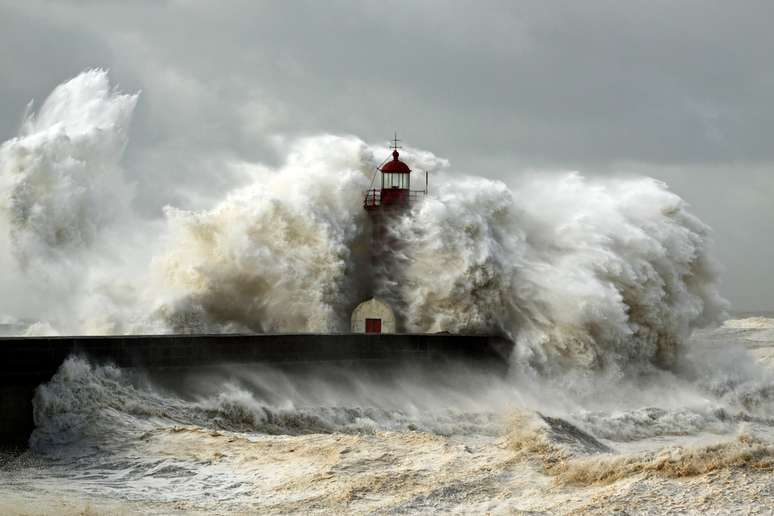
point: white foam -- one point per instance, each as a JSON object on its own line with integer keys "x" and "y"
{"x": 750, "y": 323}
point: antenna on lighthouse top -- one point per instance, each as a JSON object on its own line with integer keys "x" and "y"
{"x": 394, "y": 142}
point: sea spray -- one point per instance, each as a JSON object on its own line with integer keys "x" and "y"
{"x": 577, "y": 271}
{"x": 65, "y": 206}
{"x": 61, "y": 178}
{"x": 283, "y": 254}
{"x": 580, "y": 273}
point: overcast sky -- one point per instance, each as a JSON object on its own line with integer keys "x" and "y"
{"x": 681, "y": 91}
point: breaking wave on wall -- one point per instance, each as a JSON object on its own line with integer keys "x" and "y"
{"x": 578, "y": 271}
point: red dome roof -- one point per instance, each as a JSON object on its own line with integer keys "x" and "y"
{"x": 396, "y": 165}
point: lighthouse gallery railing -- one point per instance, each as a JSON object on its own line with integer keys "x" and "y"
{"x": 373, "y": 197}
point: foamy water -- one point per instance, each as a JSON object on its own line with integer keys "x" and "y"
{"x": 329, "y": 440}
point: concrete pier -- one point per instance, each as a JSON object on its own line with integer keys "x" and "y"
{"x": 26, "y": 362}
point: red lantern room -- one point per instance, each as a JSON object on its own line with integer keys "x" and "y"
{"x": 395, "y": 191}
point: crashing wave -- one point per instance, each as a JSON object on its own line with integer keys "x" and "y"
{"x": 87, "y": 402}
{"x": 61, "y": 179}
{"x": 572, "y": 456}
{"x": 578, "y": 272}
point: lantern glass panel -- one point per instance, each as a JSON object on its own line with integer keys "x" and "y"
{"x": 391, "y": 180}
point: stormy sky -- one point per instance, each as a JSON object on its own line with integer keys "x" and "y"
{"x": 680, "y": 91}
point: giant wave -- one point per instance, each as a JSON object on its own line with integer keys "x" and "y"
{"x": 579, "y": 272}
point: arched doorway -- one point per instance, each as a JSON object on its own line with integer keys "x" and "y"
{"x": 373, "y": 316}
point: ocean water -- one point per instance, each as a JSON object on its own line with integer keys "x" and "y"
{"x": 699, "y": 439}
{"x": 624, "y": 392}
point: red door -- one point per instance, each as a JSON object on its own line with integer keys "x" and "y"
{"x": 373, "y": 326}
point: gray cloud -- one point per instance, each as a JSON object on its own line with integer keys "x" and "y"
{"x": 677, "y": 90}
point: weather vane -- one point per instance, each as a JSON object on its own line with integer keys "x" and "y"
{"x": 394, "y": 142}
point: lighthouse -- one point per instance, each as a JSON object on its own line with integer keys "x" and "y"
{"x": 392, "y": 199}
{"x": 395, "y": 192}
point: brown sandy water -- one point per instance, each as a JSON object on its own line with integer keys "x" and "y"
{"x": 106, "y": 444}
